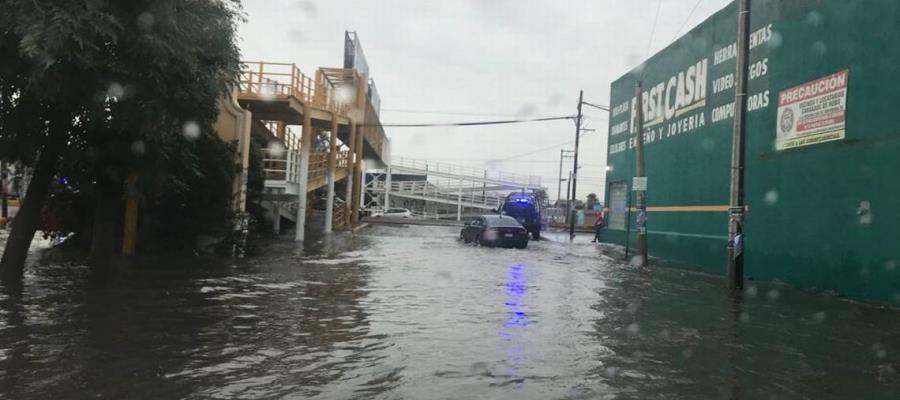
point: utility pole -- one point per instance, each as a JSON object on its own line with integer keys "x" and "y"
{"x": 736, "y": 198}
{"x": 4, "y": 206}
{"x": 575, "y": 165}
{"x": 562, "y": 155}
{"x": 639, "y": 160}
{"x": 568, "y": 196}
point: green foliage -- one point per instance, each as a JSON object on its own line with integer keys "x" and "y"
{"x": 132, "y": 74}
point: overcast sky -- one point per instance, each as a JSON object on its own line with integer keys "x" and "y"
{"x": 475, "y": 60}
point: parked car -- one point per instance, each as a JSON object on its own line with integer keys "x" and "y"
{"x": 393, "y": 213}
{"x": 526, "y": 209}
{"x": 495, "y": 230}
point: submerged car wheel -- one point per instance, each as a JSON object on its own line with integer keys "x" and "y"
{"x": 522, "y": 245}
{"x": 536, "y": 235}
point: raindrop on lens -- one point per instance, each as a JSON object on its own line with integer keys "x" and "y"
{"x": 687, "y": 353}
{"x": 819, "y": 48}
{"x": 744, "y": 318}
{"x": 275, "y": 149}
{"x": 819, "y": 316}
{"x": 773, "y": 294}
{"x": 775, "y": 41}
{"x": 115, "y": 90}
{"x": 771, "y": 197}
{"x": 612, "y": 372}
{"x": 190, "y": 130}
{"x": 145, "y": 21}
{"x": 751, "y": 291}
{"x": 138, "y": 147}
{"x": 634, "y": 328}
{"x": 879, "y": 350}
{"x": 890, "y": 265}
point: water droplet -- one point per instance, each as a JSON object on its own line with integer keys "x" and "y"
{"x": 634, "y": 328}
{"x": 773, "y": 294}
{"x": 819, "y": 316}
{"x": 145, "y": 21}
{"x": 687, "y": 353}
{"x": 138, "y": 147}
{"x": 819, "y": 48}
{"x": 775, "y": 41}
{"x": 632, "y": 307}
{"x": 751, "y": 291}
{"x": 744, "y": 317}
{"x": 771, "y": 197}
{"x": 115, "y": 90}
{"x": 612, "y": 372}
{"x": 890, "y": 265}
{"x": 275, "y": 149}
{"x": 637, "y": 260}
{"x": 345, "y": 94}
{"x": 814, "y": 18}
{"x": 879, "y": 350}
{"x": 664, "y": 334}
{"x": 526, "y": 109}
{"x": 190, "y": 130}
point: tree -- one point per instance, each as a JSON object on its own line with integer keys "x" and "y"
{"x": 111, "y": 89}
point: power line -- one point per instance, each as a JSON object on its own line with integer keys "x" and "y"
{"x": 653, "y": 30}
{"x": 686, "y": 20}
{"x": 538, "y": 150}
{"x": 480, "y": 123}
{"x": 462, "y": 113}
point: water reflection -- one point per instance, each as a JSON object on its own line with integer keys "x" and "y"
{"x": 516, "y": 321}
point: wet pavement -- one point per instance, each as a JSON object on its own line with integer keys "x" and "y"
{"x": 407, "y": 312}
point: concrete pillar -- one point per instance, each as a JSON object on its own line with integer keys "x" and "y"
{"x": 357, "y": 177}
{"x": 305, "y": 145}
{"x": 459, "y": 201}
{"x": 332, "y": 164}
{"x": 351, "y": 162}
{"x": 276, "y": 217}
{"x": 387, "y": 188}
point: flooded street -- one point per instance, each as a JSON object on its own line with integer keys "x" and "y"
{"x": 407, "y": 312}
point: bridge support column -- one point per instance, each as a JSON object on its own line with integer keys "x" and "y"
{"x": 387, "y": 188}
{"x": 459, "y": 201}
{"x": 351, "y": 167}
{"x": 305, "y": 144}
{"x": 332, "y": 162}
{"x": 357, "y": 177}
{"x": 276, "y": 217}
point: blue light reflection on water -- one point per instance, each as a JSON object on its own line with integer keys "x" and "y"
{"x": 515, "y": 322}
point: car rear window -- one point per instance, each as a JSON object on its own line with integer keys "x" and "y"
{"x": 502, "y": 222}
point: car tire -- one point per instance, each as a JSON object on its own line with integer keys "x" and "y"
{"x": 536, "y": 235}
{"x": 478, "y": 240}
{"x": 522, "y": 245}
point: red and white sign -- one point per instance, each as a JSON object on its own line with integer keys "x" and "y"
{"x": 813, "y": 112}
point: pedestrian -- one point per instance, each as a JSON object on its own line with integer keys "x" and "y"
{"x": 598, "y": 225}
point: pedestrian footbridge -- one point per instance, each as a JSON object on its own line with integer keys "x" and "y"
{"x": 313, "y": 132}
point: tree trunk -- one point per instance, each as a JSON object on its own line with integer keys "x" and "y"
{"x": 25, "y": 224}
{"x": 104, "y": 235}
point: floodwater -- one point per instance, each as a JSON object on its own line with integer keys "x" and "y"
{"x": 406, "y": 312}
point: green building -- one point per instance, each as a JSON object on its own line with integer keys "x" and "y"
{"x": 822, "y": 155}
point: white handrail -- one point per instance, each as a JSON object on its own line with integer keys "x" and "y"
{"x": 438, "y": 167}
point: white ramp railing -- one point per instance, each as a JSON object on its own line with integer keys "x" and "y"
{"x": 447, "y": 192}
{"x": 473, "y": 173}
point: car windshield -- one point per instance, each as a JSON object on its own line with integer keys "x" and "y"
{"x": 467, "y": 199}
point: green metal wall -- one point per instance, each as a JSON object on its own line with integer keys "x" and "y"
{"x": 802, "y": 226}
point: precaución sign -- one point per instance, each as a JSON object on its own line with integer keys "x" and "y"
{"x": 814, "y": 112}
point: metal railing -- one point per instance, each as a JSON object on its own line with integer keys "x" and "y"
{"x": 529, "y": 181}
{"x": 428, "y": 190}
{"x": 270, "y": 80}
